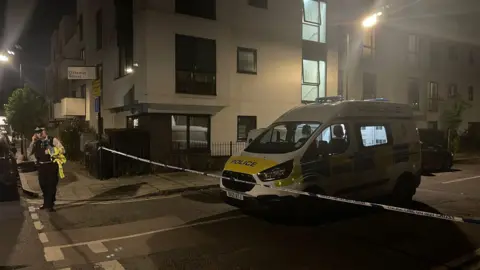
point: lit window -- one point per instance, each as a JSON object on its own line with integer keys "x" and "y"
{"x": 368, "y": 43}
{"x": 314, "y": 21}
{"x": 313, "y": 80}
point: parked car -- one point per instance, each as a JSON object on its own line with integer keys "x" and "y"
{"x": 436, "y": 157}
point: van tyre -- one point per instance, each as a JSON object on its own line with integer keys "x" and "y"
{"x": 404, "y": 191}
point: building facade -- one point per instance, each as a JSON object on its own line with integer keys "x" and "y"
{"x": 194, "y": 74}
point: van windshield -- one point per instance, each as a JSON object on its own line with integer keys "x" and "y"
{"x": 283, "y": 137}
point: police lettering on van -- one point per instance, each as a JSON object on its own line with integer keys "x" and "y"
{"x": 354, "y": 149}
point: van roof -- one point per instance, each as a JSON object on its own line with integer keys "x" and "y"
{"x": 323, "y": 112}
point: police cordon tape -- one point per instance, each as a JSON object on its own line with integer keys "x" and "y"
{"x": 325, "y": 197}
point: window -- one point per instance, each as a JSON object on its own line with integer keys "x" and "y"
{"x": 368, "y": 43}
{"x": 452, "y": 53}
{"x": 341, "y": 78}
{"x": 133, "y": 121}
{"x": 246, "y": 61}
{"x": 471, "y": 57}
{"x": 313, "y": 79}
{"x": 204, "y": 9}
{"x": 374, "y": 135}
{"x": 83, "y": 91}
{"x": 314, "y": 24}
{"x": 452, "y": 90}
{"x": 414, "y": 93}
{"x": 80, "y": 27}
{"x": 336, "y": 137}
{"x": 258, "y": 3}
{"x": 432, "y": 125}
{"x": 99, "y": 29}
{"x": 470, "y": 93}
{"x": 191, "y": 132}
{"x": 196, "y": 65}
{"x": 82, "y": 54}
{"x": 125, "y": 35}
{"x": 433, "y": 96}
{"x": 413, "y": 50}
{"x": 283, "y": 138}
{"x": 369, "y": 86}
{"x": 100, "y": 77}
{"x": 435, "y": 55}
{"x": 244, "y": 125}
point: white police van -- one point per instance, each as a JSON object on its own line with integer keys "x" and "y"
{"x": 349, "y": 149}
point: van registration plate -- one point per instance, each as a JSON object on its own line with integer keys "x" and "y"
{"x": 235, "y": 195}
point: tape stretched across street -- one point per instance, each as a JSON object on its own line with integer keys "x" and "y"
{"x": 367, "y": 204}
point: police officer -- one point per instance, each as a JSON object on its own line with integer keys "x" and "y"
{"x": 47, "y": 169}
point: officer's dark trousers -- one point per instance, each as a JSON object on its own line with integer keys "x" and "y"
{"x": 48, "y": 179}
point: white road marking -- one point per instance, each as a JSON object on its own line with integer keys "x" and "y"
{"x": 66, "y": 268}
{"x": 463, "y": 259}
{"x": 31, "y": 209}
{"x": 53, "y": 254}
{"x": 38, "y": 225}
{"x": 150, "y": 232}
{"x": 97, "y": 247}
{"x": 461, "y": 179}
{"x": 34, "y": 216}
{"x": 110, "y": 265}
{"x": 43, "y": 237}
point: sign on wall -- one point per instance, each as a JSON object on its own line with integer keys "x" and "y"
{"x": 96, "y": 88}
{"x": 82, "y": 73}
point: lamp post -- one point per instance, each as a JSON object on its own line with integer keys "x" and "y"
{"x": 367, "y": 23}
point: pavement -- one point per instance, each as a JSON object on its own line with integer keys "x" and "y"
{"x": 196, "y": 230}
{"x": 79, "y": 186}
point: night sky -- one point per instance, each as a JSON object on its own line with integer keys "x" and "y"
{"x": 31, "y": 23}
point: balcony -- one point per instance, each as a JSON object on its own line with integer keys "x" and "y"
{"x": 69, "y": 107}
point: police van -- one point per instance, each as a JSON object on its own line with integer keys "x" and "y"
{"x": 350, "y": 149}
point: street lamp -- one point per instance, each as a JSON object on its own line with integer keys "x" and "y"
{"x": 4, "y": 58}
{"x": 369, "y": 22}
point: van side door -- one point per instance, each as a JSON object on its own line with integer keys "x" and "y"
{"x": 373, "y": 158}
{"x": 328, "y": 162}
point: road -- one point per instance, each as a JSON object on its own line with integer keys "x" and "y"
{"x": 197, "y": 231}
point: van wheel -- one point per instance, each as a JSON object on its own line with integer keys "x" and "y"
{"x": 404, "y": 190}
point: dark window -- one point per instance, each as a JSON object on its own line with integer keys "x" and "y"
{"x": 191, "y": 132}
{"x": 433, "y": 96}
{"x": 100, "y": 77}
{"x": 196, "y": 65}
{"x": 471, "y": 57}
{"x": 244, "y": 125}
{"x": 452, "y": 53}
{"x": 452, "y": 90}
{"x": 124, "y": 29}
{"x": 341, "y": 75}
{"x": 374, "y": 135}
{"x": 369, "y": 86}
{"x": 470, "y": 93}
{"x": 83, "y": 91}
{"x": 414, "y": 93}
{"x": 99, "y": 29}
{"x": 204, "y": 9}
{"x": 258, "y": 3}
{"x": 246, "y": 61}
{"x": 80, "y": 27}
{"x": 82, "y": 54}
{"x": 432, "y": 125}
{"x": 435, "y": 55}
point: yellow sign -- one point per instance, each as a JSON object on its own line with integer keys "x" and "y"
{"x": 96, "y": 88}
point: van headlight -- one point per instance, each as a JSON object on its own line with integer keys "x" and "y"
{"x": 278, "y": 172}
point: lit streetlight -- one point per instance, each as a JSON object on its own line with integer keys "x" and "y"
{"x": 371, "y": 20}
{"x": 4, "y": 58}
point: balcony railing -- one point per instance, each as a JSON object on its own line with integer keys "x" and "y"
{"x": 69, "y": 107}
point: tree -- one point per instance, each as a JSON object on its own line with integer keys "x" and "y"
{"x": 25, "y": 110}
{"x": 452, "y": 119}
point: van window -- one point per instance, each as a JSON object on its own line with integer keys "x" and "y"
{"x": 337, "y": 138}
{"x": 373, "y": 135}
{"x": 283, "y": 137}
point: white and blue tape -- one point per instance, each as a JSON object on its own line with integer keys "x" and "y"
{"x": 325, "y": 197}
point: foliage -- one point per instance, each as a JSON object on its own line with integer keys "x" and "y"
{"x": 70, "y": 131}
{"x": 452, "y": 119}
{"x": 26, "y": 110}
